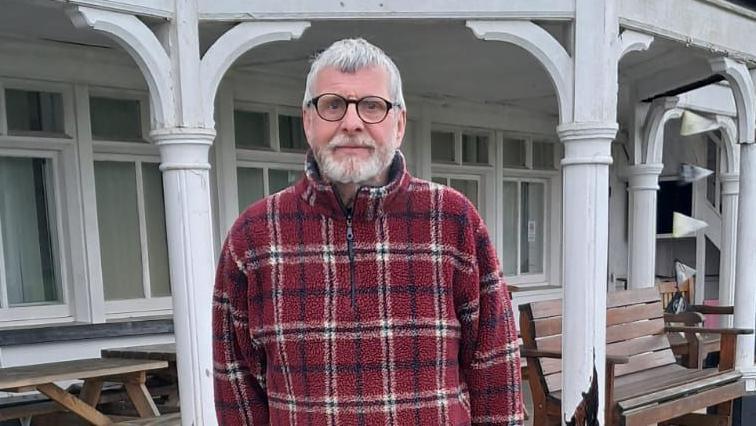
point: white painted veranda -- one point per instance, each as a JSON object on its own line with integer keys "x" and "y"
{"x": 559, "y": 119}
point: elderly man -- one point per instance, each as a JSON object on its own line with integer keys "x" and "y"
{"x": 362, "y": 295}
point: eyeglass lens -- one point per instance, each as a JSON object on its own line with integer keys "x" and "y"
{"x": 371, "y": 109}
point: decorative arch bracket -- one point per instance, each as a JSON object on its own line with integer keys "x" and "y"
{"x": 742, "y": 86}
{"x": 546, "y": 49}
{"x": 234, "y": 43}
{"x": 633, "y": 41}
{"x": 730, "y": 146}
{"x": 143, "y": 46}
{"x": 661, "y": 111}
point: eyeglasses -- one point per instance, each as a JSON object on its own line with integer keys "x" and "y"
{"x": 333, "y": 107}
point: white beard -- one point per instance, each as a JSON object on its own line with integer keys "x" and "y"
{"x": 350, "y": 169}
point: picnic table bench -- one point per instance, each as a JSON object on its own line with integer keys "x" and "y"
{"x": 94, "y": 372}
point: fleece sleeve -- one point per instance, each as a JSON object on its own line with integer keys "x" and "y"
{"x": 238, "y": 361}
{"x": 489, "y": 358}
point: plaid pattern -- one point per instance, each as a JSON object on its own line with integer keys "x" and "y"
{"x": 414, "y": 327}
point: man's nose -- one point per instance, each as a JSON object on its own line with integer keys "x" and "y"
{"x": 352, "y": 121}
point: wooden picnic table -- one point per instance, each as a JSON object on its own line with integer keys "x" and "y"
{"x": 161, "y": 352}
{"x": 94, "y": 372}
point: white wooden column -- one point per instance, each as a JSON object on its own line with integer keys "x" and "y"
{"x": 585, "y": 171}
{"x": 745, "y": 269}
{"x": 730, "y": 192}
{"x": 186, "y": 183}
{"x": 742, "y": 84}
{"x": 182, "y": 94}
{"x": 643, "y": 180}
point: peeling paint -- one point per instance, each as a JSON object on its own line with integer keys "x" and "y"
{"x": 586, "y": 413}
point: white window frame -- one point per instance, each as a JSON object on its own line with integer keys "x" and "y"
{"x": 458, "y": 131}
{"x": 60, "y": 149}
{"x": 40, "y": 313}
{"x": 550, "y": 178}
{"x": 266, "y": 166}
{"x": 126, "y": 95}
{"x": 66, "y": 91}
{"x": 536, "y": 277}
{"x": 148, "y": 305}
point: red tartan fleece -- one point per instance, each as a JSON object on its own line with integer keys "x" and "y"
{"x": 400, "y": 318}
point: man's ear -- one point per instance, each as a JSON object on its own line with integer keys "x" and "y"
{"x": 307, "y": 117}
{"x": 401, "y": 126}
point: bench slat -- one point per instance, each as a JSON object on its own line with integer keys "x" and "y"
{"x": 645, "y": 361}
{"x": 681, "y": 389}
{"x": 631, "y": 297}
{"x": 616, "y": 333}
{"x": 667, "y": 410}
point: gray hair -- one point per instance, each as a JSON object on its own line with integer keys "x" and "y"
{"x": 353, "y": 54}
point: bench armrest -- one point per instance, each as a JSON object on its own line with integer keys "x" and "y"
{"x": 685, "y": 329}
{"x": 713, "y": 310}
{"x": 687, "y": 318}
{"x": 535, "y": 353}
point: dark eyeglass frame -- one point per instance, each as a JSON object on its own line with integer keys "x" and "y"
{"x": 314, "y": 103}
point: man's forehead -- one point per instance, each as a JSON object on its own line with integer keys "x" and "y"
{"x": 374, "y": 78}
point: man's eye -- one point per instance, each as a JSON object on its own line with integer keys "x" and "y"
{"x": 371, "y": 105}
{"x": 333, "y": 105}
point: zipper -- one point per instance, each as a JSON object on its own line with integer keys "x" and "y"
{"x": 350, "y": 250}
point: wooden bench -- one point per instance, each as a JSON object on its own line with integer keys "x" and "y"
{"x": 691, "y": 348}
{"x": 95, "y": 372}
{"x": 644, "y": 384}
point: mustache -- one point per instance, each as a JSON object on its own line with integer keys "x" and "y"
{"x": 342, "y": 140}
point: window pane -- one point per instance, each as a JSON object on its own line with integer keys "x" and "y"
{"x": 509, "y": 221}
{"x": 291, "y": 133}
{"x": 34, "y": 111}
{"x": 118, "y": 222}
{"x": 531, "y": 231}
{"x": 442, "y": 146}
{"x": 250, "y": 186}
{"x": 440, "y": 180}
{"x": 115, "y": 119}
{"x": 514, "y": 153}
{"x": 251, "y": 129}
{"x": 467, "y": 187}
{"x": 28, "y": 231}
{"x": 543, "y": 155}
{"x": 475, "y": 149}
{"x": 280, "y": 179}
{"x": 157, "y": 246}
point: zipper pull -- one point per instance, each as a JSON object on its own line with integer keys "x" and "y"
{"x": 350, "y": 233}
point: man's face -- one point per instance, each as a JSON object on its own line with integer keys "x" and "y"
{"x": 349, "y": 150}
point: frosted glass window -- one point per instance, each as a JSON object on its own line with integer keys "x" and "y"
{"x": 442, "y": 147}
{"x": 475, "y": 149}
{"x": 118, "y": 222}
{"x": 157, "y": 245}
{"x": 115, "y": 119}
{"x": 250, "y": 186}
{"x": 510, "y": 203}
{"x": 513, "y": 153}
{"x": 543, "y": 155}
{"x": 531, "y": 228}
{"x": 29, "y": 240}
{"x": 31, "y": 111}
{"x": 291, "y": 134}
{"x": 467, "y": 187}
{"x": 280, "y": 179}
{"x": 251, "y": 129}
